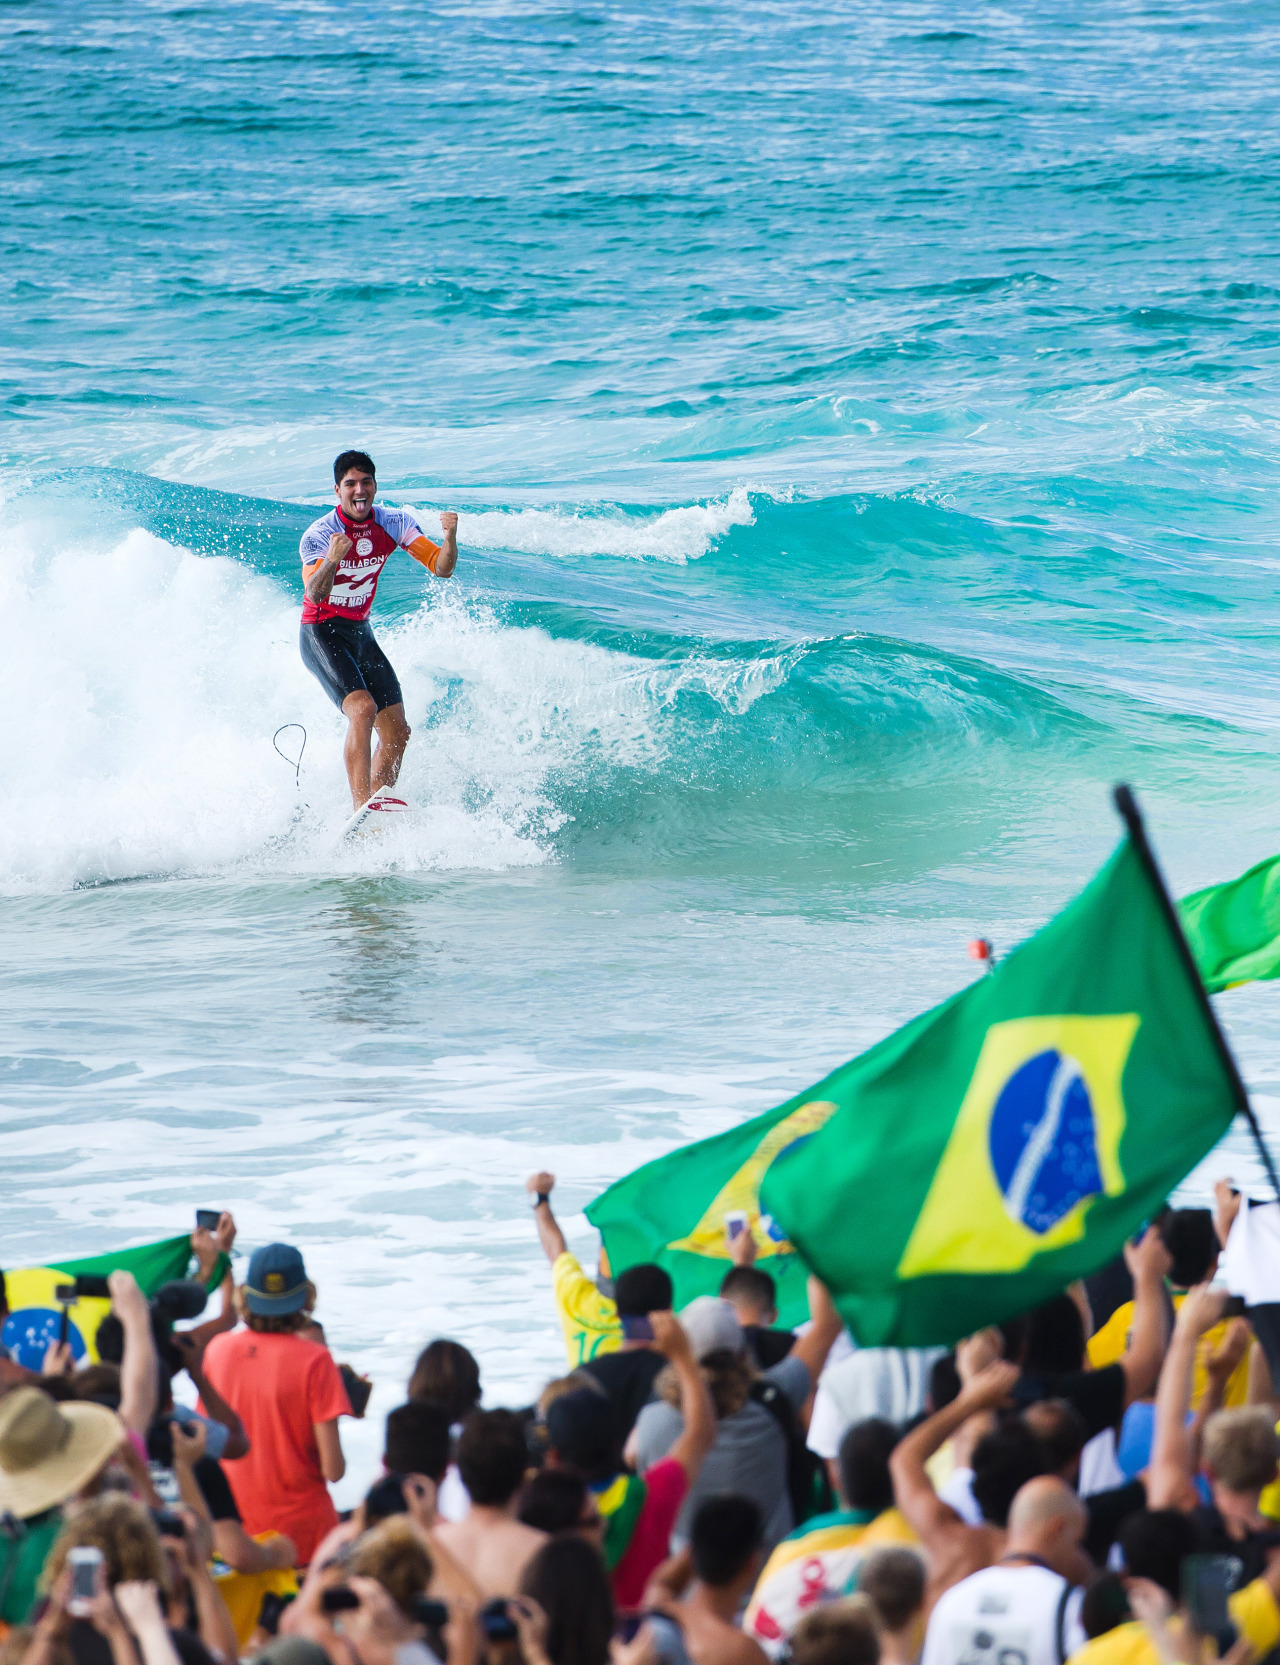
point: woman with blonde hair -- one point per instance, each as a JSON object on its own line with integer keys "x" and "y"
{"x": 125, "y": 1618}
{"x": 288, "y": 1394}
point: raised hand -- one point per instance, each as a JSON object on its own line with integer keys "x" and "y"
{"x": 126, "y": 1297}
{"x": 1148, "y": 1260}
{"x": 1222, "y": 1363}
{"x": 990, "y": 1386}
{"x": 420, "y": 1494}
{"x": 976, "y": 1352}
{"x": 189, "y": 1448}
{"x": 532, "y": 1624}
{"x": 58, "y": 1359}
{"x": 1226, "y": 1205}
{"x": 339, "y": 547}
{"x": 669, "y": 1336}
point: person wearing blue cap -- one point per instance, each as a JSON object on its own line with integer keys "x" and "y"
{"x": 288, "y": 1394}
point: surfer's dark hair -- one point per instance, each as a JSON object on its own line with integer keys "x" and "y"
{"x": 345, "y": 461}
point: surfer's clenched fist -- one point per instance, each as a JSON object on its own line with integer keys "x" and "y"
{"x": 447, "y": 559}
{"x": 319, "y": 581}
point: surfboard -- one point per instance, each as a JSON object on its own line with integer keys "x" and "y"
{"x": 380, "y": 805}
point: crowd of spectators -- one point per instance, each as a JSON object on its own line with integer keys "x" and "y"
{"x": 1094, "y": 1481}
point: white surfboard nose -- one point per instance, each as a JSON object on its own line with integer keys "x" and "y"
{"x": 382, "y": 802}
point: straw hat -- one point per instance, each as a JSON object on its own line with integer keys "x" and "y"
{"x": 48, "y": 1451}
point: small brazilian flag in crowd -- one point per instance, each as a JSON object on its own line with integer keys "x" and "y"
{"x": 36, "y": 1313}
{"x": 1234, "y": 928}
{"x": 1010, "y": 1140}
{"x": 673, "y": 1211}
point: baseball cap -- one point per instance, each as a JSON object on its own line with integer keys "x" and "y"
{"x": 580, "y": 1426}
{"x": 712, "y": 1327}
{"x": 277, "y": 1281}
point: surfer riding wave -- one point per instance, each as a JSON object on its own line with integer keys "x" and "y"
{"x": 343, "y": 554}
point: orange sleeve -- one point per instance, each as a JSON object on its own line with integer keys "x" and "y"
{"x": 422, "y": 549}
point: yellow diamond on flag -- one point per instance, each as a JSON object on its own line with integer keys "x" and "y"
{"x": 741, "y": 1192}
{"x": 1036, "y": 1139}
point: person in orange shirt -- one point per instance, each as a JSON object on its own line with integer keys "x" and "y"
{"x": 288, "y": 1394}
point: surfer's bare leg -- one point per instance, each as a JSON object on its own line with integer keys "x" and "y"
{"x": 393, "y": 737}
{"x": 361, "y": 711}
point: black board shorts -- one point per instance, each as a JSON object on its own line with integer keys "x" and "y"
{"x": 344, "y": 657}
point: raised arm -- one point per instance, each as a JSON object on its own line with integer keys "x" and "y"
{"x": 1171, "y": 1475}
{"x": 193, "y": 1551}
{"x": 139, "y": 1391}
{"x": 139, "y": 1605}
{"x": 696, "y": 1408}
{"x": 1149, "y": 1262}
{"x": 319, "y": 576}
{"x": 929, "y": 1517}
{"x": 215, "y": 1405}
{"x": 208, "y": 1246}
{"x": 813, "y": 1346}
{"x": 540, "y": 1186}
{"x": 1226, "y": 1205}
{"x": 439, "y": 559}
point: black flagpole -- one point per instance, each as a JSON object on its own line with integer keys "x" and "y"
{"x": 1130, "y": 814}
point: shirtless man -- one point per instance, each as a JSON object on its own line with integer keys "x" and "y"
{"x": 343, "y": 555}
{"x": 490, "y": 1544}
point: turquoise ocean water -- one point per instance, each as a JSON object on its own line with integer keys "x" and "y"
{"x": 865, "y": 424}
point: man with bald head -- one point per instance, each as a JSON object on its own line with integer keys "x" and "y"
{"x": 1026, "y": 1606}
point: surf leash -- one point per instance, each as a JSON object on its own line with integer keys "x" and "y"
{"x": 295, "y": 761}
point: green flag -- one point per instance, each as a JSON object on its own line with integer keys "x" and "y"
{"x": 1233, "y": 929}
{"x": 152, "y": 1264}
{"x": 1011, "y": 1139}
{"x": 672, "y": 1211}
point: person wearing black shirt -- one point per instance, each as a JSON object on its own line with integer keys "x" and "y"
{"x": 628, "y": 1375}
{"x": 205, "y": 1488}
{"x": 1049, "y": 1345}
{"x": 753, "y": 1295}
{"x": 1063, "y": 1432}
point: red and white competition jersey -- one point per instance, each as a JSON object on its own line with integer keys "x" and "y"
{"x": 356, "y": 581}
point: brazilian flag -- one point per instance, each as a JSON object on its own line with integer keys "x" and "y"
{"x": 36, "y": 1314}
{"x": 1010, "y": 1140}
{"x": 672, "y": 1211}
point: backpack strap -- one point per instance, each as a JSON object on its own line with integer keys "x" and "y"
{"x": 1060, "y": 1625}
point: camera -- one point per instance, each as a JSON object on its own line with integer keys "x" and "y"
{"x": 496, "y": 1622}
{"x": 84, "y": 1562}
{"x": 160, "y": 1436}
{"x": 181, "y": 1299}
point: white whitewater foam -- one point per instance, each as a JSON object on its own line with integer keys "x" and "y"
{"x": 143, "y": 684}
{"x": 679, "y": 535}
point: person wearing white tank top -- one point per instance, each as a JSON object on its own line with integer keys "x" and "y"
{"x": 1020, "y": 1611}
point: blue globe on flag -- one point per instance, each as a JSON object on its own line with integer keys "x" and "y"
{"x": 1044, "y": 1150}
{"x": 30, "y": 1332}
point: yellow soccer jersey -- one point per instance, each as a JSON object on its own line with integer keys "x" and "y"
{"x": 588, "y": 1318}
{"x": 1109, "y": 1344}
{"x": 1253, "y": 1610}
